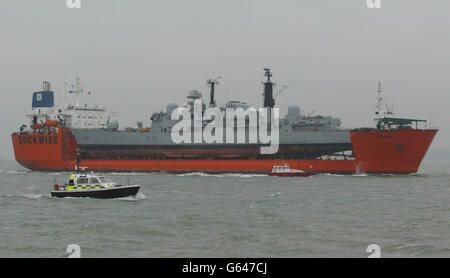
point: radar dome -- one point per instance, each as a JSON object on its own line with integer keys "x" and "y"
{"x": 170, "y": 107}
{"x": 293, "y": 110}
{"x": 113, "y": 124}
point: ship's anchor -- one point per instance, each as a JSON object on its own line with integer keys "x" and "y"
{"x": 399, "y": 146}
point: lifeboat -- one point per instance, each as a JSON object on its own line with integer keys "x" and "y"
{"x": 51, "y": 123}
{"x": 36, "y": 126}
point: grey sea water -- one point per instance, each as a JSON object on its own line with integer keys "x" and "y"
{"x": 199, "y": 215}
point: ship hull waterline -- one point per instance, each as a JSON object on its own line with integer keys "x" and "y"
{"x": 393, "y": 152}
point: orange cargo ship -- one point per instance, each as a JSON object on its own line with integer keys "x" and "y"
{"x": 398, "y": 151}
{"x": 59, "y": 136}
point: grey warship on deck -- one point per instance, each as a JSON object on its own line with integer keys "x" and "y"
{"x": 301, "y": 136}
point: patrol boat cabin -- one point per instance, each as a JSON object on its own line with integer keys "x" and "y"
{"x": 83, "y": 181}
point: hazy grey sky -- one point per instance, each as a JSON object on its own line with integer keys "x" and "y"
{"x": 137, "y": 55}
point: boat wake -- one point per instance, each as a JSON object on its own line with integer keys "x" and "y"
{"x": 334, "y": 175}
{"x": 130, "y": 173}
{"x": 33, "y": 196}
{"x": 27, "y": 196}
{"x": 14, "y": 172}
{"x": 360, "y": 175}
{"x": 138, "y": 197}
{"x": 236, "y": 175}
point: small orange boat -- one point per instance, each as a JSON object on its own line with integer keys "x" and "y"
{"x": 286, "y": 171}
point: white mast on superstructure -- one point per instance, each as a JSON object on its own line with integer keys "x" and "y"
{"x": 382, "y": 109}
{"x": 77, "y": 90}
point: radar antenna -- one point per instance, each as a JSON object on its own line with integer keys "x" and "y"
{"x": 77, "y": 90}
{"x": 267, "y": 73}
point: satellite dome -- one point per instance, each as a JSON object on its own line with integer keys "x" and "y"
{"x": 170, "y": 107}
{"x": 113, "y": 124}
{"x": 293, "y": 110}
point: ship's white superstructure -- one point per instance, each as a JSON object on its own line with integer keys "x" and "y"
{"x": 85, "y": 116}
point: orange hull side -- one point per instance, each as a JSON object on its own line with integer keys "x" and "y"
{"x": 399, "y": 152}
{"x": 49, "y": 157}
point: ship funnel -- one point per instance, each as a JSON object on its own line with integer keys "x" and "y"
{"x": 44, "y": 98}
{"x": 211, "y": 83}
{"x": 269, "y": 101}
{"x": 46, "y": 86}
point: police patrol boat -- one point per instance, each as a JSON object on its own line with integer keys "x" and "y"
{"x": 93, "y": 186}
